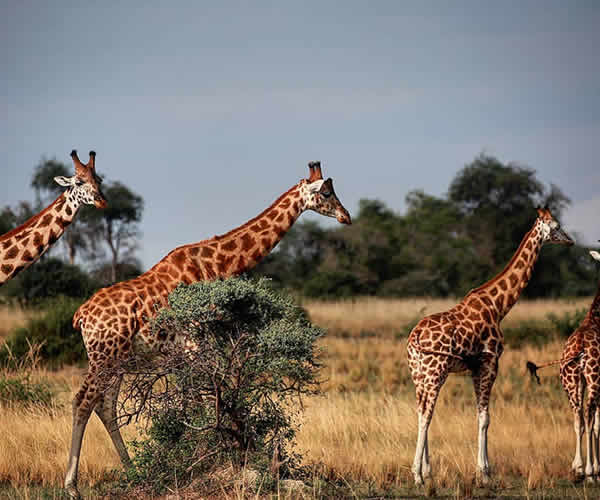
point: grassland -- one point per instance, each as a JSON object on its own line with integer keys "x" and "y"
{"x": 358, "y": 438}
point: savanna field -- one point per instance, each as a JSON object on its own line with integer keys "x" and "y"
{"x": 358, "y": 438}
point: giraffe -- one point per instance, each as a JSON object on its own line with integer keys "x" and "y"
{"x": 580, "y": 369}
{"x": 25, "y": 244}
{"x": 116, "y": 320}
{"x": 468, "y": 337}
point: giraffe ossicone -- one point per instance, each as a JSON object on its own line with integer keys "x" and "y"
{"x": 116, "y": 320}
{"x": 25, "y": 244}
{"x": 468, "y": 337}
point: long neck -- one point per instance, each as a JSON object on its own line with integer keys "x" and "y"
{"x": 593, "y": 314}
{"x": 503, "y": 291}
{"x": 25, "y": 244}
{"x": 238, "y": 250}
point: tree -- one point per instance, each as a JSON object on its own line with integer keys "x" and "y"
{"x": 232, "y": 399}
{"x": 117, "y": 225}
{"x": 498, "y": 202}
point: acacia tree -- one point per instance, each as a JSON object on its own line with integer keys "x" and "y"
{"x": 234, "y": 398}
{"x": 117, "y": 225}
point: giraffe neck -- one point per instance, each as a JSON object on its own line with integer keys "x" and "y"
{"x": 503, "y": 291}
{"x": 593, "y": 314}
{"x": 238, "y": 250}
{"x": 25, "y": 244}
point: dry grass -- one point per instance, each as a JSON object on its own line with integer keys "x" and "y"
{"x": 364, "y": 428}
{"x": 12, "y": 317}
{"x": 368, "y": 316}
{"x": 36, "y": 441}
{"x": 370, "y": 435}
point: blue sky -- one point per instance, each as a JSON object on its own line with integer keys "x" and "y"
{"x": 211, "y": 111}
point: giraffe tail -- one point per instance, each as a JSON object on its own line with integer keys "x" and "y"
{"x": 533, "y": 368}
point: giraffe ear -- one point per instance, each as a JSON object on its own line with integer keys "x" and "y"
{"x": 64, "y": 181}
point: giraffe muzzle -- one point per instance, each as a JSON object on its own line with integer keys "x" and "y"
{"x": 343, "y": 217}
{"x": 561, "y": 237}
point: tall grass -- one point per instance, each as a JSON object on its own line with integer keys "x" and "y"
{"x": 371, "y": 316}
{"x": 12, "y": 317}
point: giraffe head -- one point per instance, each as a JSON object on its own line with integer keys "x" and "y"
{"x": 550, "y": 228}
{"x": 84, "y": 186}
{"x": 318, "y": 195}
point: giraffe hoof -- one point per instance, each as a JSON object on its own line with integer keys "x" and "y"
{"x": 484, "y": 478}
{"x": 72, "y": 491}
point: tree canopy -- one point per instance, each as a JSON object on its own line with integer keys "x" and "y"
{"x": 440, "y": 246}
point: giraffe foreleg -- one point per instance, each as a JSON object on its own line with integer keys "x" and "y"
{"x": 484, "y": 376}
{"x": 83, "y": 404}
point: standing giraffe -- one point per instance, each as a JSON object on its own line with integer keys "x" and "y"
{"x": 580, "y": 368}
{"x": 116, "y": 320}
{"x": 468, "y": 337}
{"x": 25, "y": 244}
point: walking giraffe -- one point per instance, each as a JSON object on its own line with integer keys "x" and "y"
{"x": 468, "y": 337}
{"x": 25, "y": 244}
{"x": 116, "y": 320}
{"x": 580, "y": 369}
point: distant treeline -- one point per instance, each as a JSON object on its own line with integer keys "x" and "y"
{"x": 439, "y": 247}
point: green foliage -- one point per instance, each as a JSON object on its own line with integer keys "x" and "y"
{"x": 230, "y": 400}
{"x": 49, "y": 278}
{"x": 59, "y": 342}
{"x": 21, "y": 390}
{"x": 440, "y": 246}
{"x": 566, "y": 324}
{"x": 529, "y": 332}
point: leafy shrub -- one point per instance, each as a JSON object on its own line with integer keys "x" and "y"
{"x": 566, "y": 324}
{"x": 229, "y": 400}
{"x": 49, "y": 278}
{"x": 23, "y": 391}
{"x": 20, "y": 389}
{"x": 528, "y": 332}
{"x": 332, "y": 284}
{"x": 59, "y": 342}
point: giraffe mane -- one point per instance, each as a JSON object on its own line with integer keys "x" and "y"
{"x": 229, "y": 233}
{"x": 507, "y": 266}
{"x": 31, "y": 220}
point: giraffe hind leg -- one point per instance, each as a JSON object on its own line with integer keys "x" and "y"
{"x": 425, "y": 405}
{"x": 106, "y": 409}
{"x": 592, "y": 449}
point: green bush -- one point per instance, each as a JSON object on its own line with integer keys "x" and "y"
{"x": 230, "y": 400}
{"x": 22, "y": 391}
{"x": 566, "y": 324}
{"x": 49, "y": 278}
{"x": 59, "y": 342}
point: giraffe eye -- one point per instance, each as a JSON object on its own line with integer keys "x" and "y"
{"x": 326, "y": 194}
